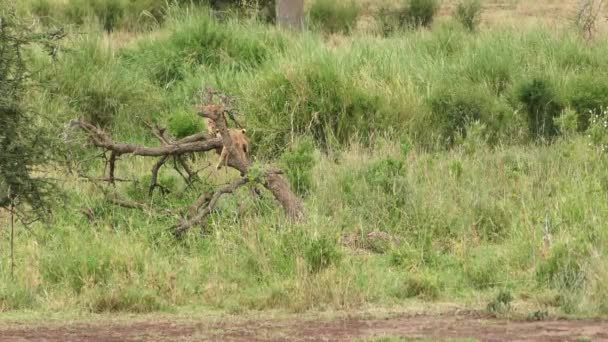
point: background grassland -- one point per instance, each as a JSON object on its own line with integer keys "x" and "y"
{"x": 421, "y": 173}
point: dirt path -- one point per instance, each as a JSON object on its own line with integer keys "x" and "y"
{"x": 436, "y": 327}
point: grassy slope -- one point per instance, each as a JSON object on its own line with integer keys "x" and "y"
{"x": 388, "y": 218}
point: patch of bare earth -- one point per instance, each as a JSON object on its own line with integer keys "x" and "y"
{"x": 432, "y": 327}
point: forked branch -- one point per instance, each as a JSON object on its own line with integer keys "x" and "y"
{"x": 201, "y": 142}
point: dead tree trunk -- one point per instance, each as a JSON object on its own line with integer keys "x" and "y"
{"x": 290, "y": 13}
{"x": 202, "y": 207}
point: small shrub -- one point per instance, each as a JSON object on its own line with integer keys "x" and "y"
{"x": 41, "y": 9}
{"x": 420, "y": 13}
{"x": 387, "y": 20}
{"x": 484, "y": 268}
{"x": 491, "y": 221}
{"x": 419, "y": 285}
{"x": 15, "y": 297}
{"x": 321, "y": 252}
{"x": 476, "y": 138}
{"x": 130, "y": 299}
{"x": 334, "y": 16}
{"x": 109, "y": 12}
{"x": 587, "y": 15}
{"x": 568, "y": 122}
{"x": 589, "y": 96}
{"x": 183, "y": 124}
{"x": 456, "y": 109}
{"x": 386, "y": 175}
{"x": 501, "y": 303}
{"x": 598, "y": 131}
{"x": 298, "y": 164}
{"x": 563, "y": 268}
{"x": 537, "y": 316}
{"x": 542, "y": 106}
{"x": 468, "y": 13}
{"x": 405, "y": 146}
{"x": 456, "y": 169}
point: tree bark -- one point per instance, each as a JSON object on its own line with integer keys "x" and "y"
{"x": 202, "y": 207}
{"x": 290, "y": 13}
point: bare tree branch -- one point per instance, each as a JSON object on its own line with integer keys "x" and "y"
{"x": 198, "y": 218}
{"x": 201, "y": 142}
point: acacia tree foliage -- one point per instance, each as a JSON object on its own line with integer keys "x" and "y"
{"x": 24, "y": 143}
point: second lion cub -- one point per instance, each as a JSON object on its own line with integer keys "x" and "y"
{"x": 241, "y": 144}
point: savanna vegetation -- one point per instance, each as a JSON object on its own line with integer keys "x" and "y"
{"x": 440, "y": 158}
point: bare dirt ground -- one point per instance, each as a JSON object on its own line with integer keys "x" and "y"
{"x": 361, "y": 328}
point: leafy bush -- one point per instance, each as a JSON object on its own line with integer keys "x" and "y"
{"x": 542, "y": 106}
{"x": 589, "y": 96}
{"x": 298, "y": 163}
{"x": 456, "y": 107}
{"x": 420, "y": 13}
{"x": 183, "y": 124}
{"x": 25, "y": 141}
{"x": 334, "y": 16}
{"x": 468, "y": 13}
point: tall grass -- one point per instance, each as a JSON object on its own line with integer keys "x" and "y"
{"x": 414, "y": 155}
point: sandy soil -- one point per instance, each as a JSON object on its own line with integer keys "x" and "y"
{"x": 423, "y": 327}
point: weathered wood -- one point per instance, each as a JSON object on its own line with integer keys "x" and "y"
{"x": 202, "y": 207}
{"x": 290, "y": 13}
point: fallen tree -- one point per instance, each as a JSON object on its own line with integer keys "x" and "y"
{"x": 170, "y": 148}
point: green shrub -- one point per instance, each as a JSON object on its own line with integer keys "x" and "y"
{"x": 468, "y": 13}
{"x": 298, "y": 163}
{"x": 418, "y": 285}
{"x": 334, "y": 16}
{"x": 315, "y": 98}
{"x": 386, "y": 175}
{"x": 199, "y": 40}
{"x": 41, "y": 9}
{"x": 563, "y": 269}
{"x": 420, "y": 13}
{"x": 15, "y": 297}
{"x": 542, "y": 105}
{"x": 321, "y": 252}
{"x": 458, "y": 106}
{"x": 598, "y": 131}
{"x": 492, "y": 62}
{"x": 491, "y": 221}
{"x": 589, "y": 95}
{"x": 109, "y": 12}
{"x": 484, "y": 268}
{"x": 102, "y": 89}
{"x": 501, "y": 303}
{"x": 387, "y": 19}
{"x": 183, "y": 124}
{"x": 129, "y": 299}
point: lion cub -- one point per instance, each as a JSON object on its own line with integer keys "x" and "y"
{"x": 241, "y": 144}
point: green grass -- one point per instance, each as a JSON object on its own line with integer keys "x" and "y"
{"x": 420, "y": 172}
